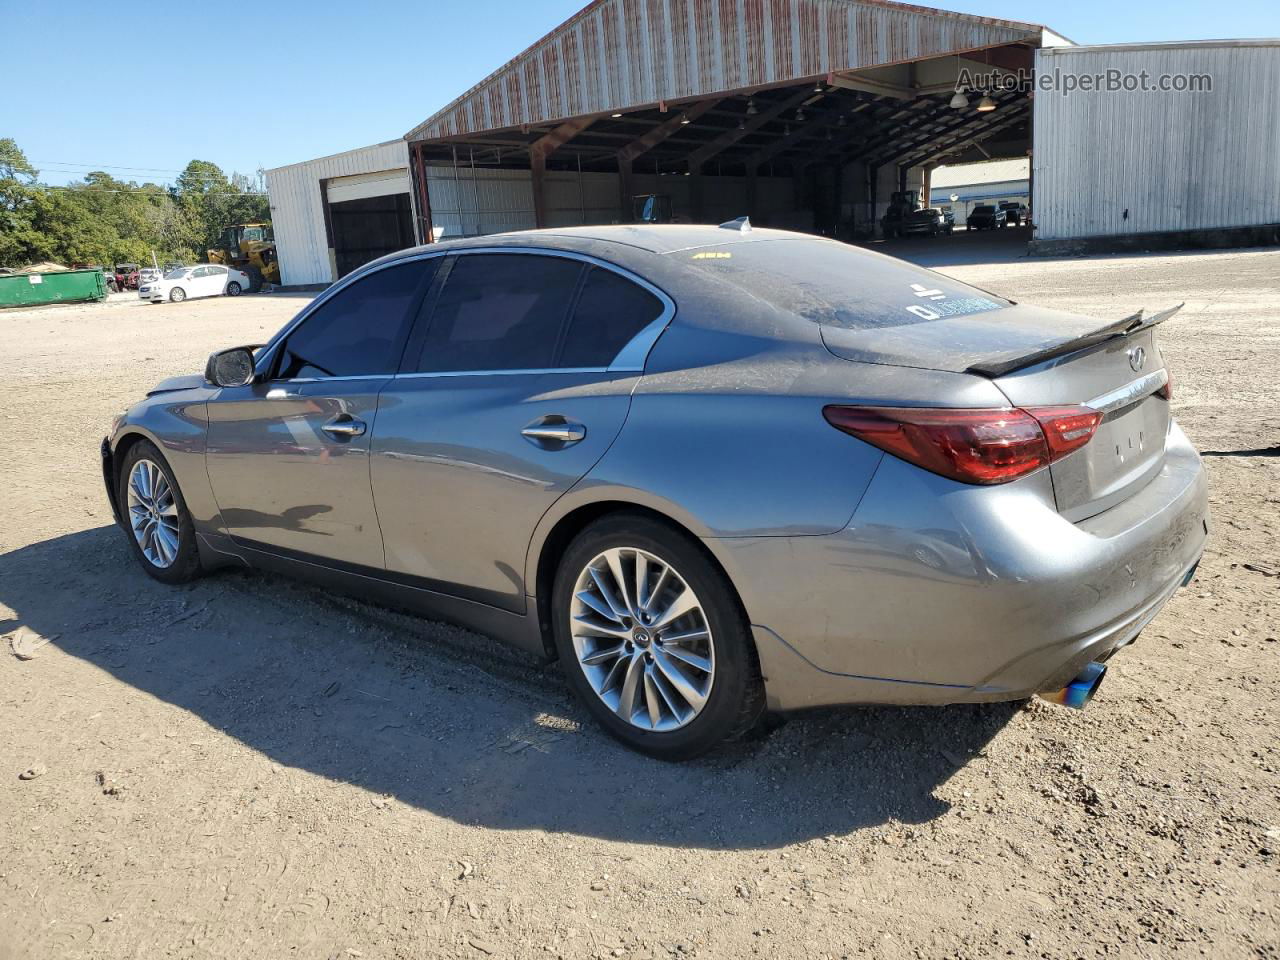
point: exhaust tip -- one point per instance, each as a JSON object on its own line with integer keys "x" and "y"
{"x": 1079, "y": 691}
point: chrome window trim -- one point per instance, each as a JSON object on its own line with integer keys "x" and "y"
{"x": 362, "y": 376}
{"x": 1131, "y": 392}
{"x": 630, "y": 359}
{"x": 528, "y": 371}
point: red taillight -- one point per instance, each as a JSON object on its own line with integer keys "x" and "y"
{"x": 972, "y": 446}
{"x": 1066, "y": 429}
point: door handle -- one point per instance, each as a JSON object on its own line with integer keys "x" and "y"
{"x": 344, "y": 428}
{"x": 554, "y": 430}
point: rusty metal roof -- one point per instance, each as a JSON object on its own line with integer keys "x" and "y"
{"x": 622, "y": 55}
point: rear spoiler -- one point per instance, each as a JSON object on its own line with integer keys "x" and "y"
{"x": 1121, "y": 328}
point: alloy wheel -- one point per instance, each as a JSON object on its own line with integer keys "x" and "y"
{"x": 642, "y": 639}
{"x": 153, "y": 514}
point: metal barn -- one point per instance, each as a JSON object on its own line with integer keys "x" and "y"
{"x": 1134, "y": 168}
{"x": 806, "y": 114}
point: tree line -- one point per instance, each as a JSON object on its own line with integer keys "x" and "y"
{"x": 102, "y": 220}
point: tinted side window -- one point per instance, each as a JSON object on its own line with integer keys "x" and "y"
{"x": 357, "y": 331}
{"x": 611, "y": 310}
{"x": 499, "y": 311}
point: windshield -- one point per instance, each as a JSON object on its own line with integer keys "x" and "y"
{"x": 836, "y": 285}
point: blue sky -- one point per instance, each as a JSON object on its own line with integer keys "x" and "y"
{"x": 89, "y": 86}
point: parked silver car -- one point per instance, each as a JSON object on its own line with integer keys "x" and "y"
{"x": 710, "y": 469}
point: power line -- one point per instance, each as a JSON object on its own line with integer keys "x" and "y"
{"x": 106, "y": 166}
{"x": 90, "y": 188}
{"x": 208, "y": 178}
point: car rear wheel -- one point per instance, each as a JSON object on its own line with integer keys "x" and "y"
{"x": 652, "y": 638}
{"x": 233, "y": 289}
{"x": 177, "y": 294}
{"x": 160, "y": 530}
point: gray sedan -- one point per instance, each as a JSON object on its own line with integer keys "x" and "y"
{"x": 713, "y": 471}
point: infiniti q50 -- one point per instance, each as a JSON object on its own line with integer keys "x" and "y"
{"x": 713, "y": 471}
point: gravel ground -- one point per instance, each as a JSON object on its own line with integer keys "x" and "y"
{"x": 248, "y": 767}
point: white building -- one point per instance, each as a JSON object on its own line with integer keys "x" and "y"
{"x": 985, "y": 182}
{"x": 1194, "y": 165}
{"x": 333, "y": 214}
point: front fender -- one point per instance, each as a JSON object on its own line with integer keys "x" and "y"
{"x": 177, "y": 423}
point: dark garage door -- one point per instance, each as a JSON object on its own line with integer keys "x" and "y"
{"x": 364, "y": 230}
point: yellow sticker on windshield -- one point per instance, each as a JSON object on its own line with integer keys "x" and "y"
{"x": 713, "y": 255}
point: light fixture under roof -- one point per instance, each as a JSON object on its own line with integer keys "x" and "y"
{"x": 751, "y": 107}
{"x": 786, "y": 129}
{"x": 742, "y": 124}
{"x": 615, "y": 115}
{"x": 959, "y": 101}
{"x": 819, "y": 88}
{"x": 800, "y": 115}
{"x": 684, "y": 119}
{"x": 986, "y": 104}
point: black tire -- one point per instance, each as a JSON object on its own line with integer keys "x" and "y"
{"x": 233, "y": 289}
{"x": 186, "y": 562}
{"x": 736, "y": 698}
{"x": 177, "y": 295}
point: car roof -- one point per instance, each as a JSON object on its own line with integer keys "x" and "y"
{"x": 650, "y": 238}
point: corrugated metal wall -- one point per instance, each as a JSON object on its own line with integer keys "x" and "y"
{"x": 1113, "y": 163}
{"x": 297, "y": 212}
{"x": 623, "y": 54}
{"x": 467, "y": 202}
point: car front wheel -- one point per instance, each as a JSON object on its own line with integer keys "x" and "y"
{"x": 177, "y": 294}
{"x": 652, "y": 638}
{"x": 160, "y": 530}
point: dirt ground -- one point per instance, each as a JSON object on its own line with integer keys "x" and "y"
{"x": 249, "y": 767}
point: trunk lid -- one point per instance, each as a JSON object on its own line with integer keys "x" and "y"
{"x": 1121, "y": 378}
{"x": 1040, "y": 358}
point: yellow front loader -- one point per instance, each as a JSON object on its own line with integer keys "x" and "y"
{"x": 250, "y": 247}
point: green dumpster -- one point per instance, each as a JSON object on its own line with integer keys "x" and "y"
{"x": 65, "y": 286}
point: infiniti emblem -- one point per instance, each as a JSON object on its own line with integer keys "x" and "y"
{"x": 1137, "y": 358}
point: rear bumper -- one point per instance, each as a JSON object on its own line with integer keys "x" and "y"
{"x": 941, "y": 593}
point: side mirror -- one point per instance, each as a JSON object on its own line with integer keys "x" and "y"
{"x": 230, "y": 368}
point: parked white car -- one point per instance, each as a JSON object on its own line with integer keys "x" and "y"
{"x": 202, "y": 280}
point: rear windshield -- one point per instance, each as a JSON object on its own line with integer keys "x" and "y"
{"x": 838, "y": 285}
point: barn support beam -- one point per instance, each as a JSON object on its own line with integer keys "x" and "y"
{"x": 425, "y": 229}
{"x": 749, "y": 126}
{"x": 542, "y": 148}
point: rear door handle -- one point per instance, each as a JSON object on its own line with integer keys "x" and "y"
{"x": 554, "y": 432}
{"x": 344, "y": 428}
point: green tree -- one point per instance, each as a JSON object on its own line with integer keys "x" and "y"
{"x": 105, "y": 220}
{"x": 212, "y": 201}
{"x": 18, "y": 194}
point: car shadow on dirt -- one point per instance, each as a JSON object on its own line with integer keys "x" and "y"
{"x": 458, "y": 725}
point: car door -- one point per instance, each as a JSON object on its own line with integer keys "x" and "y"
{"x": 288, "y": 457}
{"x": 517, "y": 379}
{"x": 196, "y": 282}
{"x": 215, "y": 282}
